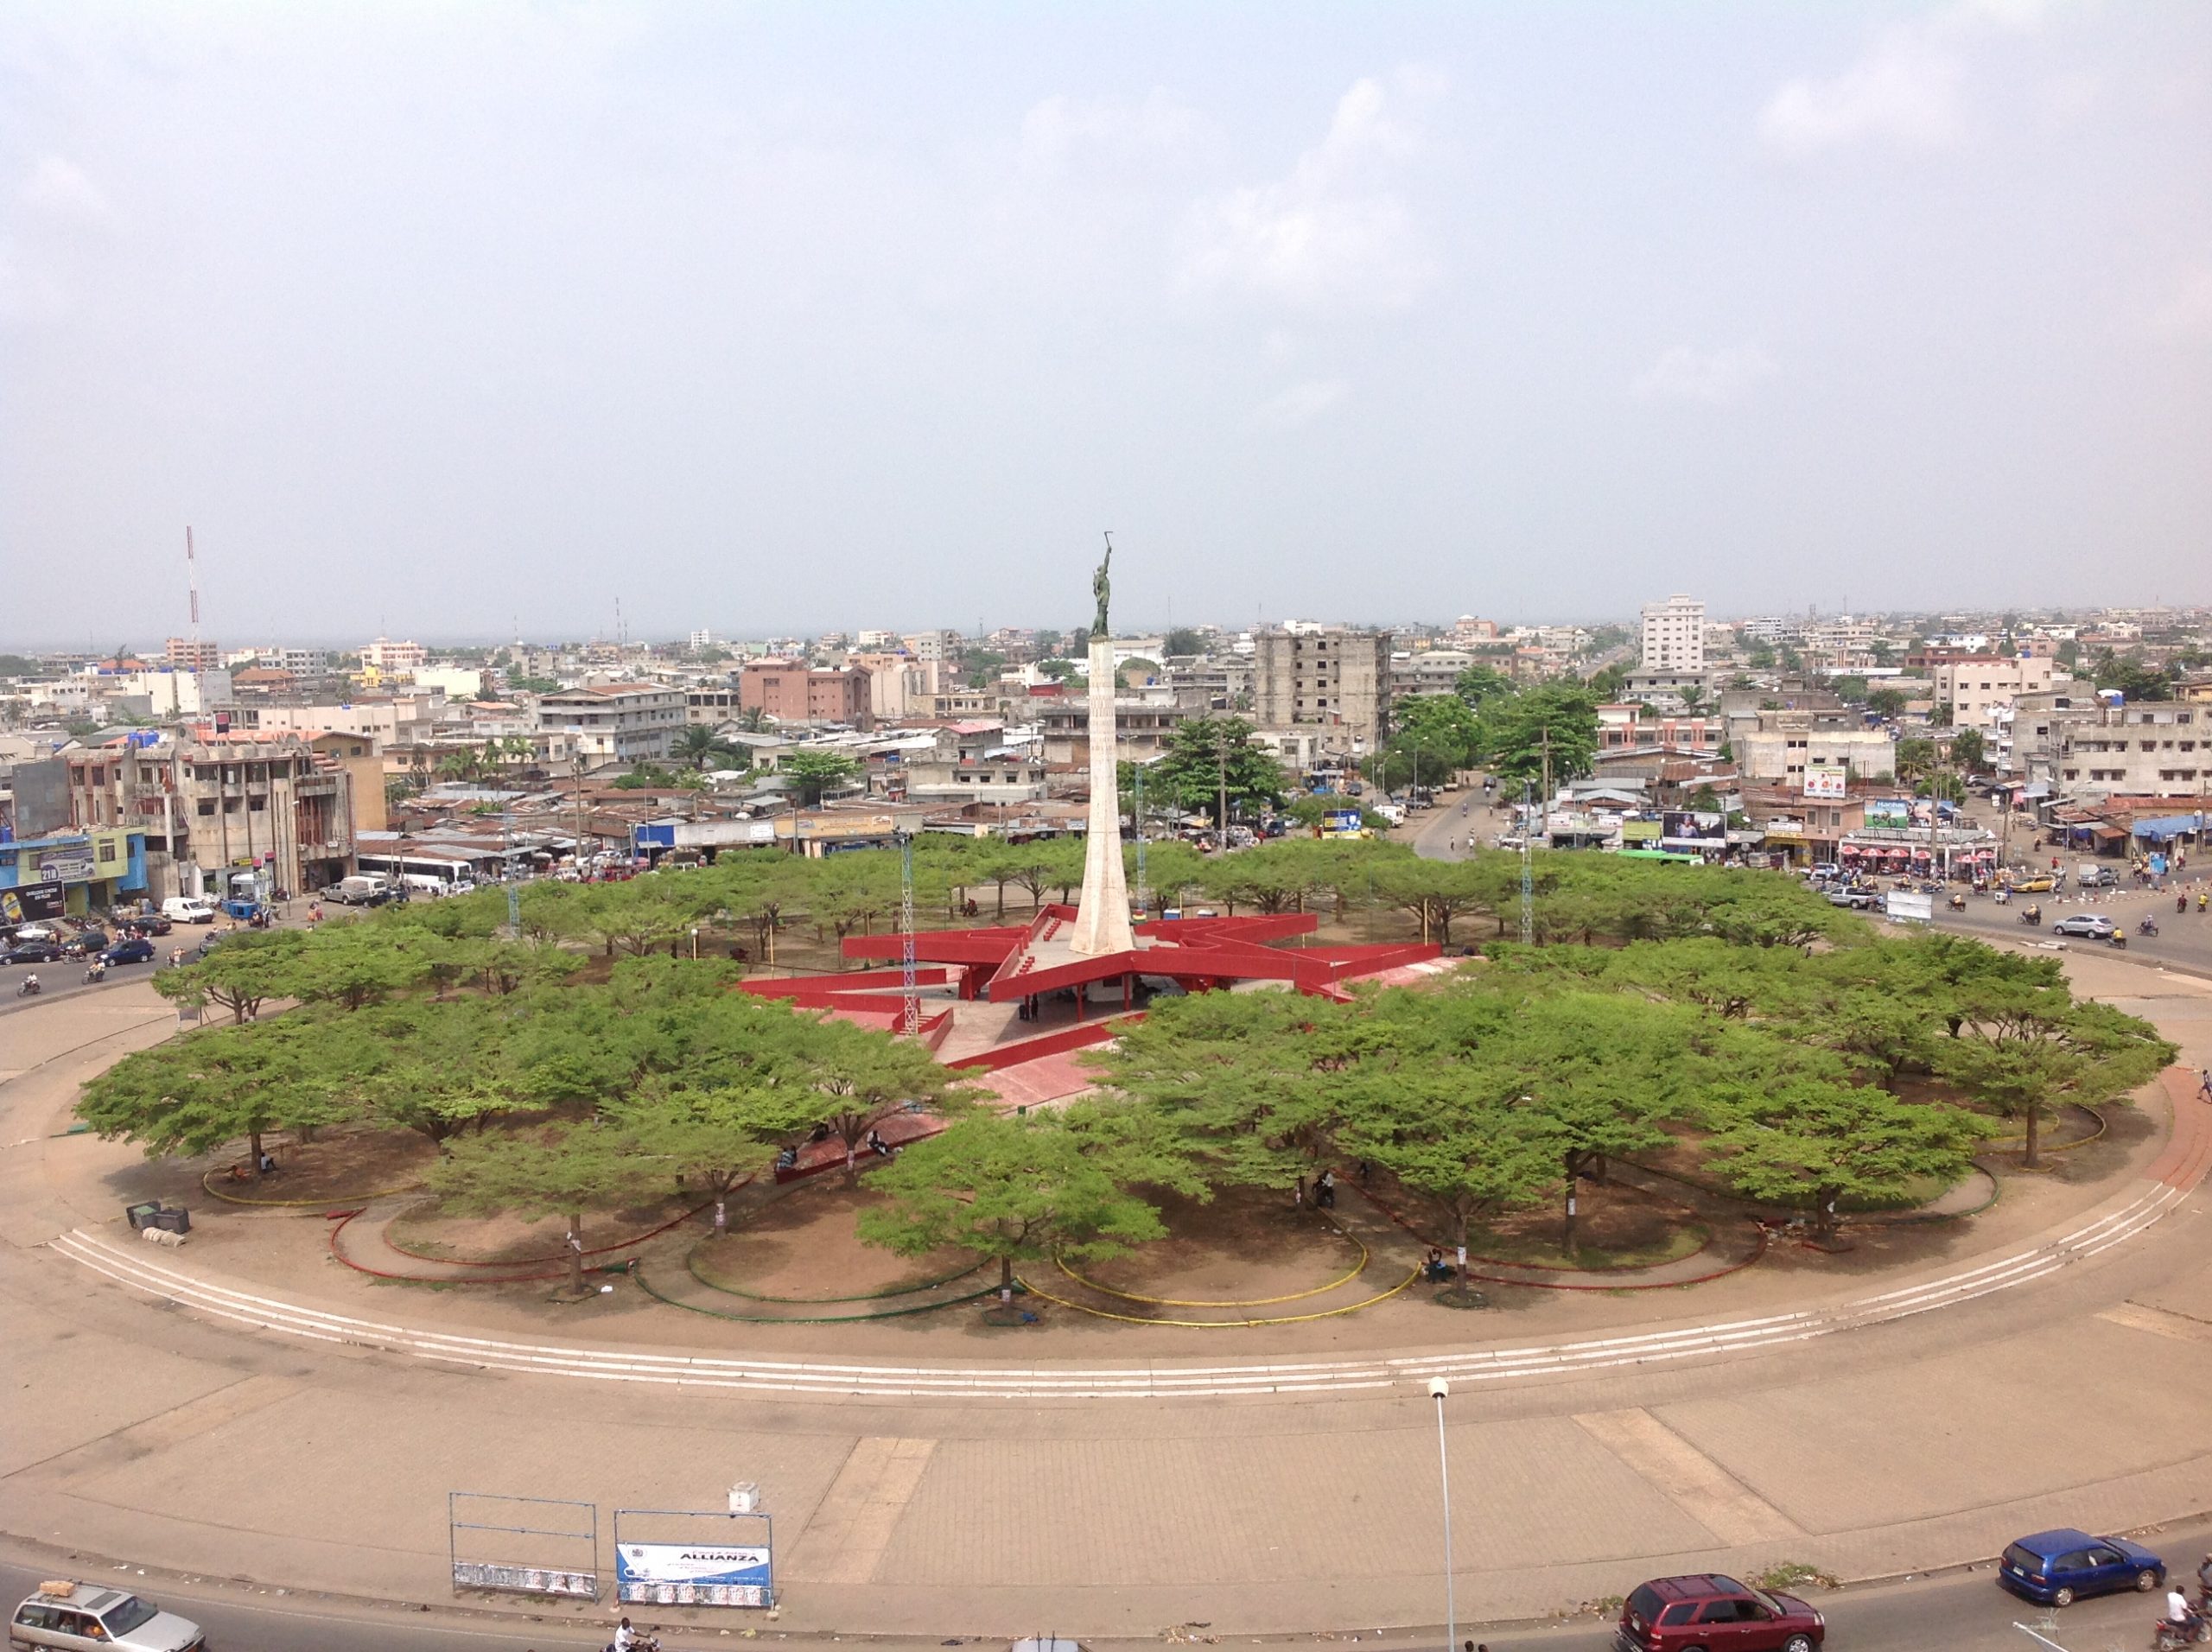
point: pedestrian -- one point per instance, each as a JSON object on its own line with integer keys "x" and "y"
{"x": 2204, "y": 1085}
{"x": 1325, "y": 1191}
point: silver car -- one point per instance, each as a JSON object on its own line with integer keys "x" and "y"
{"x": 85, "y": 1617}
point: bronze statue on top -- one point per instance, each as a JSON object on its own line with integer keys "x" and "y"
{"x": 1102, "y": 588}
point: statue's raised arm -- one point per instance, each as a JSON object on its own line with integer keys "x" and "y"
{"x": 1102, "y": 587}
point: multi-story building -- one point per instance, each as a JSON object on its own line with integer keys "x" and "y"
{"x": 1142, "y": 728}
{"x": 897, "y": 682}
{"x": 182, "y": 654}
{"x": 791, "y": 691}
{"x": 935, "y": 647}
{"x": 621, "y": 723}
{"x": 384, "y": 655}
{"x": 1674, "y": 635}
{"x": 388, "y": 720}
{"x": 1973, "y": 688}
{"x": 169, "y": 694}
{"x": 2153, "y": 749}
{"x": 1327, "y": 675}
{"x": 1781, "y": 743}
{"x": 1431, "y": 670}
{"x": 210, "y": 805}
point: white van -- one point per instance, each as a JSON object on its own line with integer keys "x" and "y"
{"x": 188, "y": 909}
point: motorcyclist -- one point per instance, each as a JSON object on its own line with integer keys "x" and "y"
{"x": 2179, "y": 1613}
{"x": 95, "y": 972}
{"x": 30, "y": 984}
{"x": 2148, "y": 926}
{"x": 628, "y": 1640}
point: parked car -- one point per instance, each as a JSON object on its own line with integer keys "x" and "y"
{"x": 32, "y": 952}
{"x": 188, "y": 909}
{"x": 37, "y": 933}
{"x": 97, "y": 1619}
{"x": 1859, "y": 901}
{"x": 85, "y": 942}
{"x": 2095, "y": 877}
{"x": 138, "y": 950}
{"x": 2092, "y": 926}
{"x": 1708, "y": 1610}
{"x": 2057, "y": 1568}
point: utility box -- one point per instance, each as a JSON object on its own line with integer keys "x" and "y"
{"x": 745, "y": 1497}
{"x": 173, "y": 1218}
{"x": 142, "y": 1214}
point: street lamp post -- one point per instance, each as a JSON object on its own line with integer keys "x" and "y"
{"x": 1438, "y": 1390}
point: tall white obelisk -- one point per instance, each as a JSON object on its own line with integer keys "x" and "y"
{"x": 1102, "y": 919}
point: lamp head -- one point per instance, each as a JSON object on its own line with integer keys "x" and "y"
{"x": 1438, "y": 1388}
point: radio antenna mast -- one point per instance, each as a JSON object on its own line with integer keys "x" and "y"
{"x": 192, "y": 577}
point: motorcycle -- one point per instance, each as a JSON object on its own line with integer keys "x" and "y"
{"x": 95, "y": 973}
{"x": 2171, "y": 1636}
{"x": 1958, "y": 903}
{"x": 2003, "y": 897}
{"x": 29, "y": 988}
{"x": 2148, "y": 926}
{"x": 2032, "y": 918}
{"x": 2120, "y": 940}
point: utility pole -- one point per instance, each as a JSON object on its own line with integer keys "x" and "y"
{"x": 1221, "y": 752}
{"x": 1527, "y": 873}
{"x": 910, "y": 1015}
{"x": 1138, "y": 776}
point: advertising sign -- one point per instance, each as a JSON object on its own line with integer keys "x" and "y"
{"x": 1682, "y": 826}
{"x": 21, "y": 905}
{"x": 692, "y": 1574}
{"x": 63, "y": 866}
{"x": 1910, "y": 906}
{"x": 1892, "y": 812}
{"x": 1341, "y": 822}
{"x": 1827, "y": 780}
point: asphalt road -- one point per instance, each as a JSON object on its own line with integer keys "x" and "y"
{"x": 1959, "y": 1612}
{"x": 63, "y": 979}
{"x": 2183, "y": 939}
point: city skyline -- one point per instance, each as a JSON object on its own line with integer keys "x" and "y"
{"x": 475, "y": 319}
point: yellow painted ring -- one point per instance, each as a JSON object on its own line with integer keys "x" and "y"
{"x": 329, "y": 1201}
{"x": 1223, "y": 1325}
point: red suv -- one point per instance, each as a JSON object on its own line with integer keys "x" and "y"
{"x": 1710, "y": 1613}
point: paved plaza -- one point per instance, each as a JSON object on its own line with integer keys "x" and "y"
{"x": 305, "y": 1428}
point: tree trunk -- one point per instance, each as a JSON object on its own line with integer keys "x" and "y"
{"x": 1005, "y": 1281}
{"x": 2034, "y": 1116}
{"x": 1459, "y": 1245}
{"x": 577, "y": 1254}
{"x": 1567, "y": 1230}
{"x": 1824, "y": 1217}
{"x": 253, "y": 1146}
{"x": 721, "y": 1214}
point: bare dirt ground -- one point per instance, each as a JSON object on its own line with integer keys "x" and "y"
{"x": 802, "y": 1246}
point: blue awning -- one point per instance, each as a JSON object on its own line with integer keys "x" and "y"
{"x": 2166, "y": 827}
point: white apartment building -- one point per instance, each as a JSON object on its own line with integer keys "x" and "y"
{"x": 933, "y": 647}
{"x": 699, "y": 639}
{"x": 1674, "y": 635}
{"x": 615, "y": 723}
{"x": 1974, "y": 688}
{"x": 1769, "y": 629}
{"x": 171, "y": 694}
{"x": 385, "y": 655}
{"x": 875, "y": 642}
{"x": 401, "y": 720}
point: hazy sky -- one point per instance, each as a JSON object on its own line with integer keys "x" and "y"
{"x": 437, "y": 319}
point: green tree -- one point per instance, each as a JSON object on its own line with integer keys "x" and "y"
{"x": 1914, "y": 759}
{"x": 719, "y": 1138}
{"x": 564, "y": 1170}
{"x": 1812, "y": 1142}
{"x": 1850, "y": 690}
{"x": 698, "y": 747}
{"x": 1554, "y": 727}
{"x": 2025, "y": 1047}
{"x": 1183, "y": 641}
{"x": 241, "y": 973}
{"x": 1212, "y": 757}
{"x": 814, "y": 772}
{"x": 1969, "y": 751}
{"x": 860, "y": 1077}
{"x": 1480, "y": 684}
{"x": 194, "y": 1093}
{"x": 1888, "y": 703}
{"x": 1008, "y": 1189}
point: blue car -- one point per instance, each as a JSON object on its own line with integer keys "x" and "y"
{"x": 134, "y": 952}
{"x": 2057, "y": 1568}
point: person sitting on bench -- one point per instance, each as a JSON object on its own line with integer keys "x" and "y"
{"x": 1435, "y": 1270}
{"x": 268, "y": 1164}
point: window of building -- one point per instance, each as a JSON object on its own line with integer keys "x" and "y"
{"x": 206, "y": 806}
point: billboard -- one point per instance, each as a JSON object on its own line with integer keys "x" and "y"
{"x": 692, "y": 1574}
{"x": 1910, "y": 906}
{"x": 21, "y": 905}
{"x": 1892, "y": 812}
{"x": 1686, "y": 826}
{"x": 1827, "y": 780}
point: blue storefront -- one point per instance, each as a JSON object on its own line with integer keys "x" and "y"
{"x": 70, "y": 873}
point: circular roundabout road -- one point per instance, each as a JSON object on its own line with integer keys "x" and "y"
{"x": 307, "y": 1429}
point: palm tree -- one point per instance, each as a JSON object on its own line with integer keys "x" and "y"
{"x": 699, "y": 748}
{"x": 459, "y": 766}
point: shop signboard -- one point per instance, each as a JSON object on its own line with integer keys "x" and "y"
{"x": 1341, "y": 822}
{"x": 71, "y": 865}
{"x": 1830, "y": 780}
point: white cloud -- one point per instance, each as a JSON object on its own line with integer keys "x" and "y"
{"x": 1904, "y": 92}
{"x": 1333, "y": 231}
{"x": 1714, "y": 378}
{"x": 60, "y": 189}
{"x": 1301, "y": 403}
